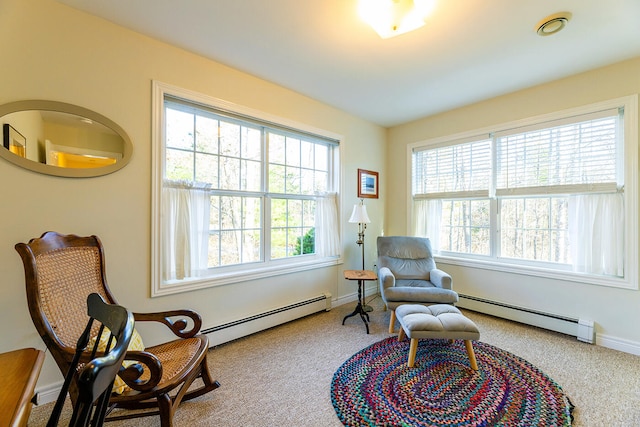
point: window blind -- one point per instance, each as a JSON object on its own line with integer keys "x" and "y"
{"x": 582, "y": 153}
{"x": 455, "y": 168}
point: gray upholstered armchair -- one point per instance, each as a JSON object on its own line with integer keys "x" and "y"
{"x": 407, "y": 274}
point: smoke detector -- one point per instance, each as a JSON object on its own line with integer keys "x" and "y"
{"x": 553, "y": 23}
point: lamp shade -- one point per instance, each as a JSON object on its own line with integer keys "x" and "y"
{"x": 359, "y": 214}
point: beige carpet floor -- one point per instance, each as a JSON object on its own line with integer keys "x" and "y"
{"x": 282, "y": 376}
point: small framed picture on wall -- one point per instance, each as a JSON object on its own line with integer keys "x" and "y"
{"x": 367, "y": 184}
{"x": 14, "y": 141}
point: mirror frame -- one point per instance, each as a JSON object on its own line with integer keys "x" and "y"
{"x": 62, "y": 107}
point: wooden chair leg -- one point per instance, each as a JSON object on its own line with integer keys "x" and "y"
{"x": 472, "y": 355}
{"x": 165, "y": 407}
{"x": 401, "y": 334}
{"x": 413, "y": 348}
{"x": 392, "y": 321}
{"x": 208, "y": 382}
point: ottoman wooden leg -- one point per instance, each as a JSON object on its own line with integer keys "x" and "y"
{"x": 472, "y": 355}
{"x": 392, "y": 321}
{"x": 413, "y": 348}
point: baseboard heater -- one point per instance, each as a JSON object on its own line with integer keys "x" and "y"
{"x": 242, "y": 327}
{"x": 554, "y": 322}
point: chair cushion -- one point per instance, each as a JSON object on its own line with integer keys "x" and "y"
{"x": 406, "y": 294}
{"x": 136, "y": 344}
{"x": 414, "y": 283}
{"x": 405, "y": 268}
{"x": 407, "y": 247}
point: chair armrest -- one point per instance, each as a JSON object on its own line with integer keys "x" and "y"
{"x": 386, "y": 279}
{"x": 135, "y": 362}
{"x": 441, "y": 279}
{"x": 132, "y": 373}
{"x": 177, "y": 326}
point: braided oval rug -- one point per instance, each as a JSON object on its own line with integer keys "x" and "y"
{"x": 376, "y": 388}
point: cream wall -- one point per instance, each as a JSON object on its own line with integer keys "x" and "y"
{"x": 615, "y": 311}
{"x": 54, "y": 52}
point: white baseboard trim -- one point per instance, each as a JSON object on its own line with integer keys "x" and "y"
{"x": 351, "y": 298}
{"x": 238, "y": 328}
{"x": 48, "y": 393}
{"x": 626, "y": 346}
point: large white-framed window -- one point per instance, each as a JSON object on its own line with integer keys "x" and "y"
{"x": 552, "y": 196}
{"x": 238, "y": 194}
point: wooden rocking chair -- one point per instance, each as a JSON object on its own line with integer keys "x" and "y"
{"x": 60, "y": 272}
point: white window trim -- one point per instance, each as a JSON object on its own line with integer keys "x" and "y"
{"x": 632, "y": 215}
{"x": 244, "y": 272}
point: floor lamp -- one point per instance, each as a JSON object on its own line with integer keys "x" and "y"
{"x": 359, "y": 216}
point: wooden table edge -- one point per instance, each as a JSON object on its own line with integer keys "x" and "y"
{"x": 22, "y": 387}
{"x": 360, "y": 275}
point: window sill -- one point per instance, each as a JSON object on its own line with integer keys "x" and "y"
{"x": 608, "y": 281}
{"x": 246, "y": 274}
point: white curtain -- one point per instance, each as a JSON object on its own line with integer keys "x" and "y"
{"x": 596, "y": 232}
{"x": 427, "y": 215}
{"x": 327, "y": 238}
{"x": 185, "y": 207}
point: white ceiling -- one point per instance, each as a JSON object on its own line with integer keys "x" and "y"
{"x": 468, "y": 51}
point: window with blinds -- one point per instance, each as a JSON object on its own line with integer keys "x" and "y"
{"x": 460, "y": 168}
{"x": 547, "y": 194}
{"x": 582, "y": 155}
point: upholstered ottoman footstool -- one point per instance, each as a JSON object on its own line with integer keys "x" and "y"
{"x": 439, "y": 321}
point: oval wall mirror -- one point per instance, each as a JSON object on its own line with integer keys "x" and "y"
{"x": 56, "y": 138}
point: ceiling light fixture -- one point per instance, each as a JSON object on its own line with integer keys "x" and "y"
{"x": 553, "y": 23}
{"x": 394, "y": 17}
